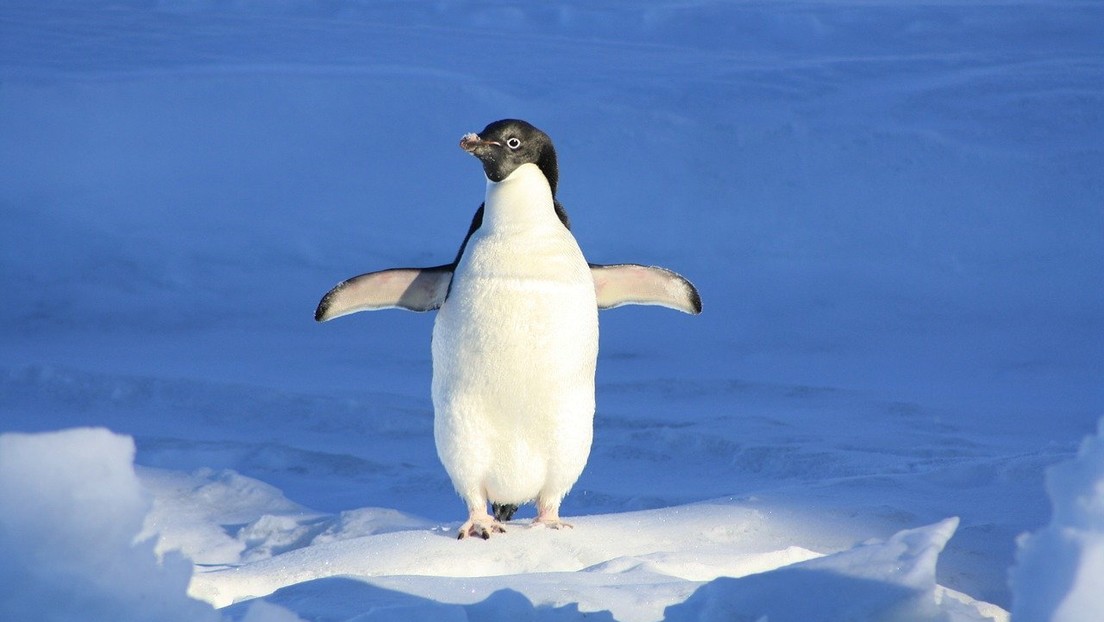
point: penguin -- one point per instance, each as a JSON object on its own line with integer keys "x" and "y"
{"x": 515, "y": 340}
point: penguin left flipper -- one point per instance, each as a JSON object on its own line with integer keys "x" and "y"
{"x": 414, "y": 289}
{"x": 633, "y": 284}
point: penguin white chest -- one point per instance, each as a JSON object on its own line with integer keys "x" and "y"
{"x": 514, "y": 352}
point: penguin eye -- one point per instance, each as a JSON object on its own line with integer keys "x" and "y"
{"x": 513, "y": 143}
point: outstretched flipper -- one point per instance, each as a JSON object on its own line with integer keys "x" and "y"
{"x": 632, "y": 284}
{"x": 425, "y": 289}
{"x": 415, "y": 289}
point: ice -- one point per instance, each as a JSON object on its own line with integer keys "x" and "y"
{"x": 71, "y": 509}
{"x": 1060, "y": 567}
{"x": 894, "y": 580}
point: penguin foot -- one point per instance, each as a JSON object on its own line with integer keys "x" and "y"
{"x": 548, "y": 514}
{"x": 551, "y": 523}
{"x": 481, "y": 527}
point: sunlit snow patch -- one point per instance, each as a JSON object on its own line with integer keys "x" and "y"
{"x": 1059, "y": 573}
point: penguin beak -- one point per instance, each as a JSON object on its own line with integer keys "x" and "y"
{"x": 475, "y": 145}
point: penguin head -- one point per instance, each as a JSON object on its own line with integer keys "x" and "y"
{"x": 505, "y": 145}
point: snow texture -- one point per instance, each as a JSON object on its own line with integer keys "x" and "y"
{"x": 70, "y": 510}
{"x": 891, "y": 210}
{"x": 1060, "y": 567}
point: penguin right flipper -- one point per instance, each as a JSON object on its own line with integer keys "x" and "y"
{"x": 414, "y": 289}
{"x": 633, "y": 284}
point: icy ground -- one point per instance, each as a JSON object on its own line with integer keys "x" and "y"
{"x": 892, "y": 210}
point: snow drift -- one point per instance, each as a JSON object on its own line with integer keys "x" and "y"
{"x": 71, "y": 511}
{"x": 71, "y": 508}
{"x": 1059, "y": 571}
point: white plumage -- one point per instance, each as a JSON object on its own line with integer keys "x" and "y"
{"x": 514, "y": 353}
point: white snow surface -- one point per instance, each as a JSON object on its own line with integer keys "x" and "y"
{"x": 1059, "y": 568}
{"x": 630, "y": 566}
{"x": 891, "y": 209}
{"x": 71, "y": 509}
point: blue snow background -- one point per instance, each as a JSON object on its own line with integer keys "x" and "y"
{"x": 894, "y": 213}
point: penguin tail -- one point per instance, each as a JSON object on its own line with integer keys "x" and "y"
{"x": 503, "y": 511}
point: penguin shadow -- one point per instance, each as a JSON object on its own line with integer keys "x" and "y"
{"x": 344, "y": 598}
{"x": 803, "y": 595}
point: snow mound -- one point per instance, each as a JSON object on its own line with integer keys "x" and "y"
{"x": 1060, "y": 568}
{"x": 671, "y": 563}
{"x": 71, "y": 513}
{"x": 223, "y": 518}
{"x": 71, "y": 507}
{"x": 892, "y": 580}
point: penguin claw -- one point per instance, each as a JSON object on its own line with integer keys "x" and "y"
{"x": 482, "y": 528}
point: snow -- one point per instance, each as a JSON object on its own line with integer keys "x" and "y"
{"x": 891, "y": 209}
{"x": 631, "y": 566}
{"x": 1058, "y": 570}
{"x": 70, "y": 508}
{"x": 891, "y": 580}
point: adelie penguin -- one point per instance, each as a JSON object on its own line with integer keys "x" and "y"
{"x": 515, "y": 341}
